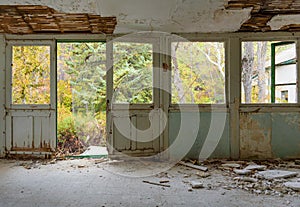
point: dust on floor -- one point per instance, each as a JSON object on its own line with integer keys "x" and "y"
{"x": 103, "y": 182}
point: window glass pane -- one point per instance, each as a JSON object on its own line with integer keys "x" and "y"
{"x": 262, "y": 83}
{"x": 198, "y": 72}
{"x": 31, "y": 74}
{"x": 133, "y": 73}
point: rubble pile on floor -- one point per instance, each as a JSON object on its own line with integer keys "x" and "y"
{"x": 267, "y": 177}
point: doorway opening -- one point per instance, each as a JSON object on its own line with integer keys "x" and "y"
{"x": 81, "y": 97}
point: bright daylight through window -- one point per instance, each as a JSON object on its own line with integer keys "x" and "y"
{"x": 198, "y": 72}
{"x": 269, "y": 72}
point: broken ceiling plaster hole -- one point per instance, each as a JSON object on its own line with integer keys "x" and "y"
{"x": 261, "y": 20}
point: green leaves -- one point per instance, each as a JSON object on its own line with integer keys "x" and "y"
{"x": 133, "y": 72}
{"x": 84, "y": 66}
{"x": 31, "y": 74}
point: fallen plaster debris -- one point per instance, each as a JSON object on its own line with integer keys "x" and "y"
{"x": 246, "y": 179}
{"x": 242, "y": 171}
{"x": 198, "y": 167}
{"x": 254, "y": 182}
{"x": 231, "y": 165}
{"x": 203, "y": 174}
{"x": 293, "y": 185}
{"x": 255, "y": 167}
{"x": 196, "y": 184}
{"x": 276, "y": 174}
{"x": 153, "y": 183}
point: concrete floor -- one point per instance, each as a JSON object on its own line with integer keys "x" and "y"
{"x": 88, "y": 183}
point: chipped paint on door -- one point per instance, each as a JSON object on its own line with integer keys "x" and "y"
{"x": 130, "y": 139}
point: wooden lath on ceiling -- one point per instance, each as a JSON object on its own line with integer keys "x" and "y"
{"x": 264, "y": 10}
{"x": 29, "y": 19}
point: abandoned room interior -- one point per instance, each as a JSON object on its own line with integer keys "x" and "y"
{"x": 149, "y": 103}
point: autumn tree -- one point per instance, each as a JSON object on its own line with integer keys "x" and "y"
{"x": 176, "y": 74}
{"x": 247, "y": 68}
{"x": 261, "y": 70}
{"x": 198, "y": 74}
{"x": 31, "y": 74}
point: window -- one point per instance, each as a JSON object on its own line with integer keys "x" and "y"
{"x": 284, "y": 96}
{"x": 198, "y": 72}
{"x": 133, "y": 73}
{"x": 31, "y": 74}
{"x": 268, "y": 68}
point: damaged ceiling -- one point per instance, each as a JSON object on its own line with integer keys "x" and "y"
{"x": 28, "y": 19}
{"x": 263, "y": 12}
{"x": 170, "y": 15}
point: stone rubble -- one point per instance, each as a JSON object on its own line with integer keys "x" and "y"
{"x": 242, "y": 171}
{"x": 273, "y": 178}
{"x": 196, "y": 184}
{"x": 255, "y": 167}
{"x": 246, "y": 179}
{"x": 268, "y": 178}
{"x": 275, "y": 174}
{"x": 231, "y": 165}
{"x": 293, "y": 185}
{"x": 203, "y": 174}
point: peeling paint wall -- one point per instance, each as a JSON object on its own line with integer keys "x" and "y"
{"x": 255, "y": 135}
{"x": 270, "y": 135}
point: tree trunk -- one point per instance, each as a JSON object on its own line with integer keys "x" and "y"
{"x": 247, "y": 68}
{"x": 261, "y": 60}
{"x": 191, "y": 78}
{"x": 177, "y": 80}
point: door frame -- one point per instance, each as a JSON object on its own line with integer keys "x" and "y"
{"x": 158, "y": 41}
{"x": 32, "y": 110}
